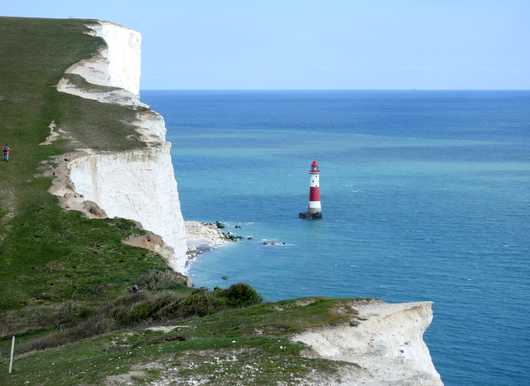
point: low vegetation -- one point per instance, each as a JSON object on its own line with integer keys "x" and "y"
{"x": 225, "y": 345}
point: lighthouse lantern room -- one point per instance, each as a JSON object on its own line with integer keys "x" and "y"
{"x": 314, "y": 209}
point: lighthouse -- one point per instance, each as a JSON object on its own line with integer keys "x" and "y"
{"x": 314, "y": 209}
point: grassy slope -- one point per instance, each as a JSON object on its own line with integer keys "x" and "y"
{"x": 59, "y": 269}
{"x": 46, "y": 254}
{"x": 248, "y": 345}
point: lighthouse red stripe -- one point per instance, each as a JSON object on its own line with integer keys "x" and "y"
{"x": 314, "y": 194}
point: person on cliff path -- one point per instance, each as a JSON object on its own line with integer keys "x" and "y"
{"x": 7, "y": 152}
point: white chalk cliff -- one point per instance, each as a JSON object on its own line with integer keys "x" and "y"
{"x": 138, "y": 184}
{"x": 385, "y": 343}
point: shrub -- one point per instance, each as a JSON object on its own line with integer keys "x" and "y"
{"x": 93, "y": 326}
{"x": 240, "y": 295}
{"x": 199, "y": 303}
{"x": 43, "y": 317}
{"x": 145, "y": 306}
{"x": 161, "y": 280}
{"x": 139, "y": 307}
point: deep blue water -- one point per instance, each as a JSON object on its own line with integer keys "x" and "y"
{"x": 425, "y": 195}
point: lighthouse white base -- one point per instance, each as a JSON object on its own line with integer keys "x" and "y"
{"x": 314, "y": 206}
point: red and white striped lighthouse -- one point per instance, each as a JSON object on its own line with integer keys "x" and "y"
{"x": 314, "y": 209}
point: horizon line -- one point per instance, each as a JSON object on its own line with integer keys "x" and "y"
{"x": 336, "y": 89}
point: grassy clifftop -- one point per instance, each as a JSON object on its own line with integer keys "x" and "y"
{"x": 48, "y": 255}
{"x": 236, "y": 346}
{"x": 65, "y": 279}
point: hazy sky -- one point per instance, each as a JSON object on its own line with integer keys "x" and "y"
{"x": 310, "y": 44}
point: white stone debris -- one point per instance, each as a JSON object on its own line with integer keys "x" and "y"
{"x": 202, "y": 237}
{"x": 54, "y": 134}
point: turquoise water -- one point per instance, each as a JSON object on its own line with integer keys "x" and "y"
{"x": 425, "y": 196}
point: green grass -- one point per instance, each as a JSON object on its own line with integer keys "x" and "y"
{"x": 48, "y": 255}
{"x": 221, "y": 349}
{"x": 280, "y": 318}
{"x": 92, "y": 361}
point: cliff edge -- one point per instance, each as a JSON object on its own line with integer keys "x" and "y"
{"x": 136, "y": 184}
{"x": 385, "y": 341}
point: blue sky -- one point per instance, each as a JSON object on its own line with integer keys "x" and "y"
{"x": 310, "y": 44}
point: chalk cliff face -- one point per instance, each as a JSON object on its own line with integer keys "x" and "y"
{"x": 118, "y": 64}
{"x": 386, "y": 342}
{"x": 138, "y": 184}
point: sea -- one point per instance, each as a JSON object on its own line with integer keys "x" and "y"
{"x": 425, "y": 196}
